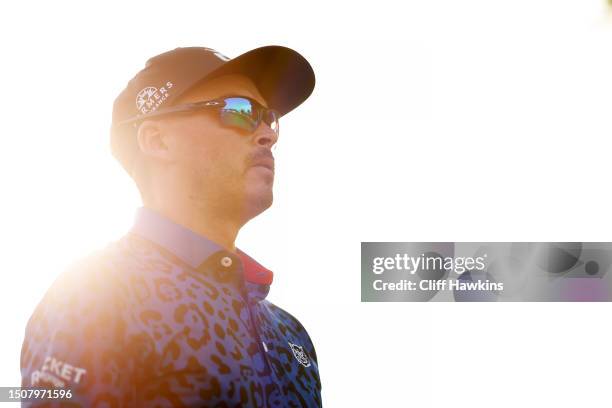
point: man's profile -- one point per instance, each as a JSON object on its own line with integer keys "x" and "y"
{"x": 173, "y": 314}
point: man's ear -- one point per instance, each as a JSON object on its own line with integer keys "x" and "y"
{"x": 152, "y": 141}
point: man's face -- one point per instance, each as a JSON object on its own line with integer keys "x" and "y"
{"x": 217, "y": 164}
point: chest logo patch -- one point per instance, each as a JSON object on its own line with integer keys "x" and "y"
{"x": 299, "y": 354}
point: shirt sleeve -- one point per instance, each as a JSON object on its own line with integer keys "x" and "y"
{"x": 75, "y": 340}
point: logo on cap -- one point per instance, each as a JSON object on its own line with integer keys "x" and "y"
{"x": 150, "y": 98}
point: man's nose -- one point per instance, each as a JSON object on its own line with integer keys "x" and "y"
{"x": 265, "y": 136}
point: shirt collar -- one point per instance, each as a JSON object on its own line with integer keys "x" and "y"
{"x": 190, "y": 246}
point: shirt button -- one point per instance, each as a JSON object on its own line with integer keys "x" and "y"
{"x": 226, "y": 261}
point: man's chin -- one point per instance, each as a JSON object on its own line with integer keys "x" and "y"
{"x": 257, "y": 201}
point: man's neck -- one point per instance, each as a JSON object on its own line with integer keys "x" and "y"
{"x": 215, "y": 227}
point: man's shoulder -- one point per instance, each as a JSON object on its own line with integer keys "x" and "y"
{"x": 93, "y": 270}
{"x": 86, "y": 281}
{"x": 280, "y": 312}
{"x": 96, "y": 278}
{"x": 291, "y": 322}
{"x": 105, "y": 276}
{"x": 104, "y": 268}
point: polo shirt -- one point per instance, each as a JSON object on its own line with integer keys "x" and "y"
{"x": 165, "y": 317}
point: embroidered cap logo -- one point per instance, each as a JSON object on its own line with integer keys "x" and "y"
{"x": 150, "y": 98}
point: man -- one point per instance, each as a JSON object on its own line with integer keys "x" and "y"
{"x": 173, "y": 314}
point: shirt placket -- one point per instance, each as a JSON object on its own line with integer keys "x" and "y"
{"x": 228, "y": 269}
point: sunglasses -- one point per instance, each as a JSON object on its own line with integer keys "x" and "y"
{"x": 239, "y": 112}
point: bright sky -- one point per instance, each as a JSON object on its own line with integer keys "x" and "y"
{"x": 430, "y": 121}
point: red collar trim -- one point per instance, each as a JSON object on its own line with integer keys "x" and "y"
{"x": 254, "y": 272}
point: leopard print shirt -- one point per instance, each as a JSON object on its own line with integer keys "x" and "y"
{"x": 134, "y": 325}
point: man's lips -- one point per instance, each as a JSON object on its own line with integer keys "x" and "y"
{"x": 267, "y": 163}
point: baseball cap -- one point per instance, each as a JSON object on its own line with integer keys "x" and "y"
{"x": 283, "y": 77}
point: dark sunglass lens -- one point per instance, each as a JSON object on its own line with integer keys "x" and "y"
{"x": 239, "y": 105}
{"x": 246, "y": 114}
{"x": 239, "y": 112}
{"x": 238, "y": 120}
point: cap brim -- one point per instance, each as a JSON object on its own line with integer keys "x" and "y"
{"x": 283, "y": 76}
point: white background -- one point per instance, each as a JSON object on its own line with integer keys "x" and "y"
{"x": 431, "y": 120}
